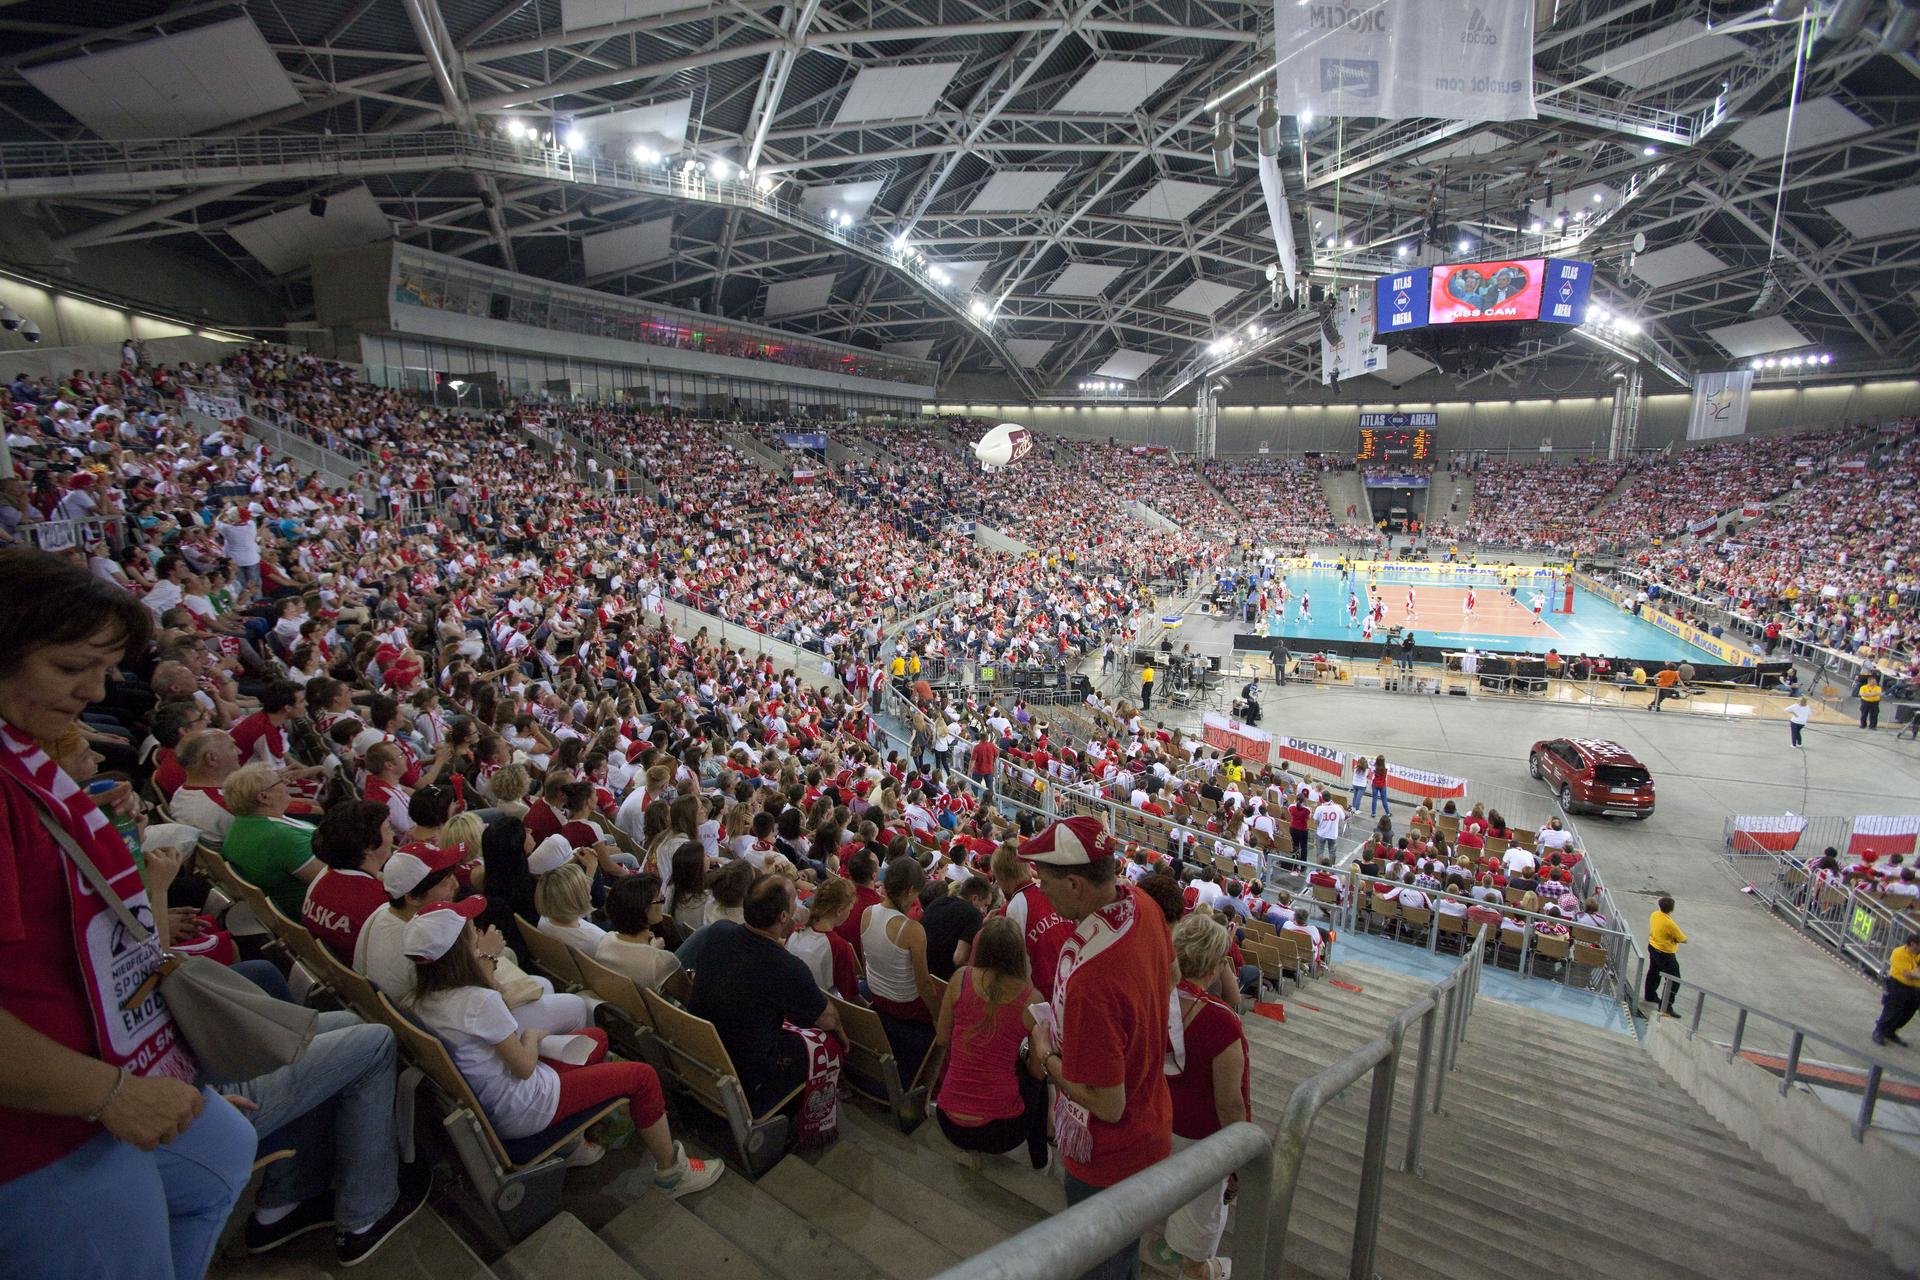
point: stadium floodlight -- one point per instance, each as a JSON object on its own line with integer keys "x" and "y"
{"x": 10, "y": 319}
{"x": 30, "y": 331}
{"x": 575, "y": 140}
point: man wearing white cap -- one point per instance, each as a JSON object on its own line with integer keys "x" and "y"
{"x": 1113, "y": 1116}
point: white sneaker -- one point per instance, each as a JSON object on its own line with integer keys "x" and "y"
{"x": 588, "y": 1152}
{"x": 687, "y": 1175}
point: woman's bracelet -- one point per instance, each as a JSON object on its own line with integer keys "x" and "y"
{"x": 93, "y": 1116}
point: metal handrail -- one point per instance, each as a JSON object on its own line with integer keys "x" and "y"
{"x": 1069, "y": 1243}
{"x": 1800, "y": 1037}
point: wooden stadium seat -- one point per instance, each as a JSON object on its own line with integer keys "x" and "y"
{"x": 1417, "y": 919}
{"x": 551, "y": 956}
{"x": 1545, "y": 948}
{"x": 1448, "y": 825}
{"x": 1497, "y": 845}
{"x": 872, "y": 1070}
{"x": 1384, "y": 909}
{"x": 1454, "y": 927}
{"x": 1513, "y": 896}
{"x": 623, "y": 1012}
{"x": 1592, "y": 960}
{"x": 1326, "y": 893}
{"x": 1527, "y": 840}
{"x": 516, "y": 1181}
{"x": 1588, "y": 934}
{"x": 699, "y": 1063}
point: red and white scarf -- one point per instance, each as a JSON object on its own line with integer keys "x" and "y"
{"x": 112, "y": 965}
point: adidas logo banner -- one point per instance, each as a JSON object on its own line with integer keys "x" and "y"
{"x": 1466, "y": 60}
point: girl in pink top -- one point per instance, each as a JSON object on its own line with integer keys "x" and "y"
{"x": 991, "y": 1052}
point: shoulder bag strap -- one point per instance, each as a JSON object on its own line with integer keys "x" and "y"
{"x": 78, "y": 857}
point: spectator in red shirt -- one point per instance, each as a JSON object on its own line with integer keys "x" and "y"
{"x": 1299, "y": 818}
{"x": 862, "y": 867}
{"x": 980, "y": 763}
{"x": 1110, "y": 1004}
{"x": 1212, "y": 1091}
{"x": 1044, "y": 929}
{"x": 354, "y": 839}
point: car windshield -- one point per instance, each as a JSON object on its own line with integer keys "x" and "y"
{"x": 1620, "y": 775}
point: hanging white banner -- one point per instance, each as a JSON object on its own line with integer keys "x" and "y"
{"x": 1356, "y": 352}
{"x": 1720, "y": 404}
{"x": 1397, "y": 59}
{"x": 1275, "y": 190}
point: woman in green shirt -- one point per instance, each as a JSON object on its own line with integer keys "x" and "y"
{"x": 270, "y": 850}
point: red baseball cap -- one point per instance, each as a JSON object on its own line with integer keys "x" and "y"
{"x": 1069, "y": 842}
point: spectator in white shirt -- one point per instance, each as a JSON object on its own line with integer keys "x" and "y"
{"x": 1329, "y": 820}
{"x": 1518, "y": 858}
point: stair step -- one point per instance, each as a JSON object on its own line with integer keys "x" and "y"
{"x": 777, "y": 1238}
{"x": 562, "y": 1247}
{"x": 663, "y": 1240}
{"x": 862, "y": 1227}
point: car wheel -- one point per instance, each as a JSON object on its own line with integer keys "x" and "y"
{"x": 1566, "y": 796}
{"x": 1533, "y": 765}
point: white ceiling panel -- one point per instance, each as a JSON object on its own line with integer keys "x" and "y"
{"x": 792, "y": 297}
{"x": 1126, "y": 365}
{"x": 629, "y": 246}
{"x": 1881, "y": 214}
{"x": 895, "y": 93}
{"x": 172, "y": 86}
{"x": 1029, "y": 352}
{"x": 912, "y": 350}
{"x": 1666, "y": 56}
{"x": 1403, "y": 366}
{"x": 854, "y": 197}
{"x": 1113, "y": 87}
{"x": 1687, "y": 261}
{"x": 1817, "y": 122}
{"x": 1758, "y": 337}
{"x": 1322, "y": 223}
{"x": 1172, "y": 200}
{"x": 963, "y": 276}
{"x": 1084, "y": 280}
{"x": 660, "y": 126}
{"x": 576, "y": 15}
{"x": 1015, "y": 190}
{"x": 1203, "y": 297}
{"x": 288, "y": 240}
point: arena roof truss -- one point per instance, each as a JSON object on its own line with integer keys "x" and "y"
{"x": 1002, "y": 148}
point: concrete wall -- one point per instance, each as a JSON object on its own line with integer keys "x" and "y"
{"x": 1573, "y": 424}
{"x": 90, "y": 331}
{"x": 1870, "y": 1184}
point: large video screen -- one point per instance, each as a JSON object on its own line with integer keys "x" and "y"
{"x": 1487, "y": 292}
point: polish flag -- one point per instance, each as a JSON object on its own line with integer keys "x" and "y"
{"x": 1883, "y": 835}
{"x": 1767, "y": 833}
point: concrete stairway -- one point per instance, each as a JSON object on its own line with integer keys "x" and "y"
{"x": 1446, "y": 493}
{"x": 1342, "y": 488}
{"x": 1562, "y": 1151}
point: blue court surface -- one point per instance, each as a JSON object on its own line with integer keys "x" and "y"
{"x": 1498, "y": 623}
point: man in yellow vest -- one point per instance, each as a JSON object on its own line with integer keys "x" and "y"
{"x": 1663, "y": 944}
{"x": 1870, "y": 695}
{"x": 1146, "y": 687}
{"x": 1902, "y": 996}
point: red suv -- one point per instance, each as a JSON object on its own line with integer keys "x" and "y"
{"x": 1594, "y": 775}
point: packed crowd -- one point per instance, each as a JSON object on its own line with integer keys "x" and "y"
{"x": 1835, "y": 560}
{"x": 1281, "y": 500}
{"x": 411, "y": 726}
{"x": 1536, "y": 506}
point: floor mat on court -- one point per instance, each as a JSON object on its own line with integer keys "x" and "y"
{"x": 1499, "y": 622}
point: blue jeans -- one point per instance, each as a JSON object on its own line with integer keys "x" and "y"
{"x": 1378, "y": 797}
{"x": 346, "y": 1076}
{"x": 1123, "y": 1265}
{"x": 109, "y": 1211}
